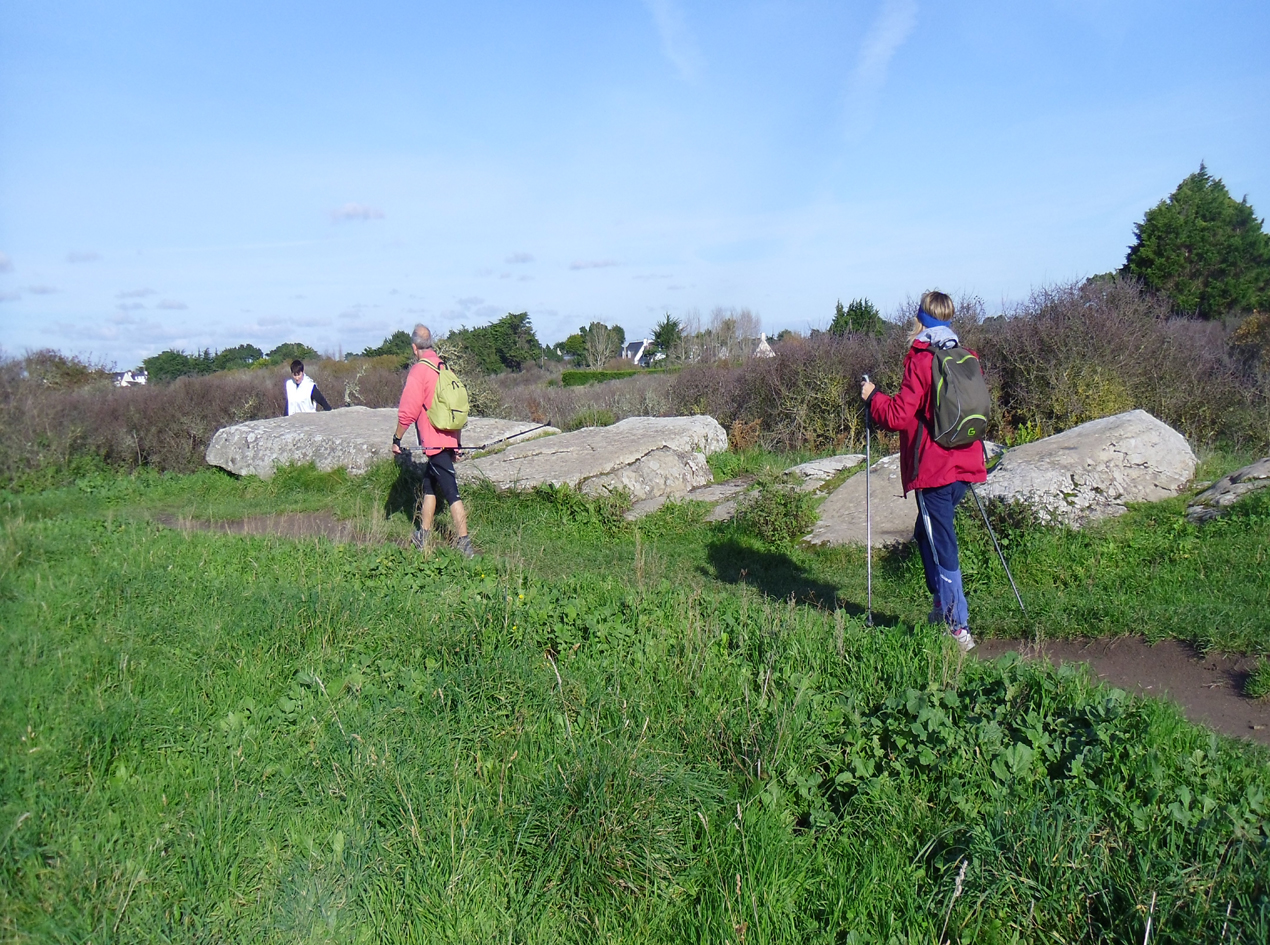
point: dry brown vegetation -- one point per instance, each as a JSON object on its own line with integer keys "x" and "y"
{"x": 535, "y": 394}
{"x": 58, "y": 416}
{"x": 1066, "y": 355}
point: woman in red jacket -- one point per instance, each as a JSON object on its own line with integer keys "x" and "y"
{"x": 938, "y": 475}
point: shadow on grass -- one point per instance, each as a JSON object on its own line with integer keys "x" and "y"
{"x": 779, "y": 576}
{"x": 406, "y": 492}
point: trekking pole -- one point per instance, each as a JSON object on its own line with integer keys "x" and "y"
{"x": 995, "y": 544}
{"x": 868, "y": 516}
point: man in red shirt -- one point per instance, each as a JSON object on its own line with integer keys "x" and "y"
{"x": 438, "y": 445}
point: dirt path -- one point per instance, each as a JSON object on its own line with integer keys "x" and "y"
{"x": 1209, "y": 689}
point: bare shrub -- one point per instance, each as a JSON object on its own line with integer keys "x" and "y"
{"x": 1077, "y": 352}
{"x": 365, "y": 382}
{"x": 806, "y": 397}
{"x": 1068, "y": 354}
{"x": 744, "y": 436}
{"x": 534, "y": 394}
{"x": 166, "y": 426}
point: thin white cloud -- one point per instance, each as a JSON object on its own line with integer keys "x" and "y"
{"x": 677, "y": 42}
{"x": 470, "y": 301}
{"x": 130, "y": 306}
{"x": 134, "y": 293}
{"x": 894, "y": 22}
{"x": 518, "y": 258}
{"x": 121, "y": 329}
{"x": 6, "y": 264}
{"x": 82, "y": 256}
{"x": 41, "y": 289}
{"x": 593, "y": 263}
{"x": 9, "y": 296}
{"x": 172, "y": 305}
{"x": 355, "y": 211}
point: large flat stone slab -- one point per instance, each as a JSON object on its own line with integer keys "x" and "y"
{"x": 352, "y": 438}
{"x": 1228, "y": 490}
{"x": 820, "y": 470}
{"x": 646, "y": 456}
{"x": 1076, "y": 477}
{"x": 1092, "y": 471}
{"x": 842, "y": 515}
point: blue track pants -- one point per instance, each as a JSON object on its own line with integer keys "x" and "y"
{"x": 941, "y": 563}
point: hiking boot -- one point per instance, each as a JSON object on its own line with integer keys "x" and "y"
{"x": 464, "y": 545}
{"x": 963, "y": 638}
{"x": 420, "y": 538}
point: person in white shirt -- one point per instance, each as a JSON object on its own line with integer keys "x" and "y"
{"x": 302, "y": 394}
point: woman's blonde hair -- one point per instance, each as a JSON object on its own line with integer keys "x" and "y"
{"x": 940, "y": 305}
{"x": 934, "y": 303}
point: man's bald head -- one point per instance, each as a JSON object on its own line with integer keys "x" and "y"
{"x": 421, "y": 338}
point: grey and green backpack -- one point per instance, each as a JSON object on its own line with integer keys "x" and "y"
{"x": 959, "y": 398}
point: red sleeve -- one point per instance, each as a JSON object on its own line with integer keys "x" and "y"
{"x": 899, "y": 412}
{"x": 410, "y": 408}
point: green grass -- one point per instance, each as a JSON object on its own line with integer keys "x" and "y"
{"x": 598, "y": 731}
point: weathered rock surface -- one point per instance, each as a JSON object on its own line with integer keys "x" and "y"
{"x": 819, "y": 470}
{"x": 352, "y": 438}
{"x": 842, "y": 519}
{"x": 1091, "y": 471}
{"x": 1079, "y": 476}
{"x": 647, "y": 456}
{"x": 1228, "y": 490}
{"x": 714, "y": 492}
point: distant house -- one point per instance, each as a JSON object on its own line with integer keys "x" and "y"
{"x": 639, "y": 352}
{"x": 130, "y": 378}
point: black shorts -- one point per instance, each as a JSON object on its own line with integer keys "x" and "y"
{"x": 440, "y": 478}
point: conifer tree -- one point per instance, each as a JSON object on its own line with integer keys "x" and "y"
{"x": 1204, "y": 250}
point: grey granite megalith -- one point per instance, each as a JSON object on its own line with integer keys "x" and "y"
{"x": 352, "y": 438}
{"x": 1079, "y": 476}
{"x": 646, "y": 456}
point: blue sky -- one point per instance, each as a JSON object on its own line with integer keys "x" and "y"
{"x": 202, "y": 174}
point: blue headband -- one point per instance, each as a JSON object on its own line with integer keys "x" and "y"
{"x": 930, "y": 321}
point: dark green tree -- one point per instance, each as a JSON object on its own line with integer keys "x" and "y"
{"x": 169, "y": 365}
{"x": 668, "y": 335}
{"x": 397, "y": 344}
{"x": 1203, "y": 249}
{"x": 291, "y": 351}
{"x": 504, "y": 345}
{"x": 237, "y": 357}
{"x": 575, "y": 346}
{"x": 861, "y": 317}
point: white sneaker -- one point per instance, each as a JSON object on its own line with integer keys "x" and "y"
{"x": 963, "y": 638}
